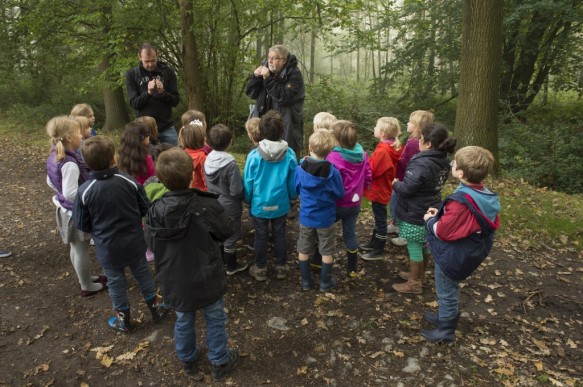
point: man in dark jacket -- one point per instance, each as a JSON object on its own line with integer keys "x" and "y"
{"x": 278, "y": 84}
{"x": 152, "y": 91}
{"x": 182, "y": 229}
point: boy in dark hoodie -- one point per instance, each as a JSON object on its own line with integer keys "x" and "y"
{"x": 183, "y": 229}
{"x": 319, "y": 184}
{"x": 224, "y": 179}
{"x": 460, "y": 235}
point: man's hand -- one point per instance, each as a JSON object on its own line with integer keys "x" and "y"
{"x": 152, "y": 88}
{"x": 265, "y": 72}
{"x": 159, "y": 86}
{"x": 258, "y": 71}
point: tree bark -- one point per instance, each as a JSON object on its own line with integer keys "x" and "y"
{"x": 476, "y": 116}
{"x": 116, "y": 112}
{"x": 191, "y": 62}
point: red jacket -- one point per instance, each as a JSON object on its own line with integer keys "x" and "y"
{"x": 198, "y": 158}
{"x": 383, "y": 164}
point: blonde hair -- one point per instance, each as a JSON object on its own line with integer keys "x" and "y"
{"x": 151, "y": 124}
{"x": 58, "y": 128}
{"x": 420, "y": 118}
{"x": 252, "y": 128}
{"x": 81, "y": 109}
{"x": 84, "y": 122}
{"x": 192, "y": 116}
{"x": 322, "y": 142}
{"x": 475, "y": 162}
{"x": 324, "y": 120}
{"x": 391, "y": 127}
{"x": 346, "y": 133}
{"x": 191, "y": 136}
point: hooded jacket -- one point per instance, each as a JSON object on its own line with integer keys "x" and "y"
{"x": 383, "y": 164}
{"x": 421, "y": 188}
{"x": 319, "y": 184}
{"x": 183, "y": 229}
{"x": 284, "y": 92}
{"x": 268, "y": 179}
{"x": 157, "y": 106}
{"x": 459, "y": 258}
{"x": 354, "y": 167}
{"x": 224, "y": 179}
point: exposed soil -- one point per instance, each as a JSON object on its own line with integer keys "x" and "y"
{"x": 522, "y": 317}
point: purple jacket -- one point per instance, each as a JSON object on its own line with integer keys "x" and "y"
{"x": 411, "y": 149}
{"x": 354, "y": 167}
{"x": 56, "y": 177}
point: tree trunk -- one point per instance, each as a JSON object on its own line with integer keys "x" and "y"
{"x": 190, "y": 59}
{"x": 116, "y": 113}
{"x": 476, "y": 116}
{"x": 312, "y": 56}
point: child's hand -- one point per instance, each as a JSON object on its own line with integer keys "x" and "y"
{"x": 431, "y": 212}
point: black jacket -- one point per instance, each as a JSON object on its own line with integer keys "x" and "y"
{"x": 157, "y": 106}
{"x": 421, "y": 187}
{"x": 284, "y": 92}
{"x": 182, "y": 229}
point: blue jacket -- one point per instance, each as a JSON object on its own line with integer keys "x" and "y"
{"x": 319, "y": 184}
{"x": 268, "y": 179}
{"x": 459, "y": 259}
{"x": 110, "y": 206}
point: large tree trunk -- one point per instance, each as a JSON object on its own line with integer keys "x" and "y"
{"x": 116, "y": 113}
{"x": 191, "y": 63}
{"x": 476, "y": 116}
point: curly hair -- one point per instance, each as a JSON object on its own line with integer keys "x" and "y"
{"x": 132, "y": 153}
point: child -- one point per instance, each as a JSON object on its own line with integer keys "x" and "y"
{"x": 418, "y": 120}
{"x": 192, "y": 139}
{"x": 110, "y": 206}
{"x": 420, "y": 189}
{"x": 66, "y": 171}
{"x": 319, "y": 184}
{"x": 133, "y": 157}
{"x": 182, "y": 228}
{"x": 152, "y": 131}
{"x": 324, "y": 120}
{"x": 224, "y": 179}
{"x": 269, "y": 187}
{"x": 460, "y": 235}
{"x": 153, "y": 187}
{"x": 383, "y": 167}
{"x": 82, "y": 109}
{"x": 84, "y": 124}
{"x": 252, "y": 128}
{"x": 197, "y": 118}
{"x": 354, "y": 166}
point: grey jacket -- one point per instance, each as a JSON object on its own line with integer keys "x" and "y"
{"x": 223, "y": 178}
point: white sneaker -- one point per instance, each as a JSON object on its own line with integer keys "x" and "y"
{"x": 392, "y": 229}
{"x": 398, "y": 241}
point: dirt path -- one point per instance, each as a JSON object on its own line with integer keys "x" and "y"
{"x": 522, "y": 318}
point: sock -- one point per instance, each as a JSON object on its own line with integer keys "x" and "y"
{"x": 80, "y": 260}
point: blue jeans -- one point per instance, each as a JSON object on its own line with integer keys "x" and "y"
{"x": 216, "y": 334}
{"x": 169, "y": 136}
{"x": 348, "y": 215}
{"x": 262, "y": 235}
{"x": 448, "y": 295}
{"x": 393, "y": 204}
{"x": 118, "y": 286}
{"x": 380, "y": 218}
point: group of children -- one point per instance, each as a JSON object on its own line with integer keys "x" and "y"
{"x": 155, "y": 181}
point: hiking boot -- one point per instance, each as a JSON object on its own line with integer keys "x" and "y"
{"x": 406, "y": 274}
{"x": 260, "y": 274}
{"x": 121, "y": 321}
{"x": 398, "y": 241}
{"x": 158, "y": 309}
{"x": 413, "y": 284}
{"x": 219, "y": 372}
{"x": 281, "y": 271}
{"x": 238, "y": 268}
{"x": 191, "y": 370}
{"x": 392, "y": 229}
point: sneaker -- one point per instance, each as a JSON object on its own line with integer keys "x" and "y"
{"x": 260, "y": 274}
{"x": 5, "y": 253}
{"x": 398, "y": 241}
{"x": 392, "y": 229}
{"x": 219, "y": 372}
{"x": 191, "y": 370}
{"x": 237, "y": 269}
{"x": 281, "y": 271}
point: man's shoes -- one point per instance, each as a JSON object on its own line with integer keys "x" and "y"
{"x": 191, "y": 370}
{"x": 5, "y": 253}
{"x": 237, "y": 269}
{"x": 260, "y": 274}
{"x": 219, "y": 372}
{"x": 281, "y": 271}
{"x": 398, "y": 241}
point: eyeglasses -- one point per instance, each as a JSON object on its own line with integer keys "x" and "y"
{"x": 273, "y": 58}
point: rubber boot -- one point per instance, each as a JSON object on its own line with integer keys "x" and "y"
{"x": 327, "y": 282}
{"x": 445, "y": 331}
{"x": 370, "y": 245}
{"x": 433, "y": 318}
{"x": 306, "y": 272}
{"x": 413, "y": 284}
{"x": 121, "y": 321}
{"x": 405, "y": 274}
{"x": 158, "y": 309}
{"x": 316, "y": 261}
{"x": 376, "y": 254}
{"x": 352, "y": 263}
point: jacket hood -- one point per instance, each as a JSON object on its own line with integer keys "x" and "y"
{"x": 216, "y": 160}
{"x": 180, "y": 206}
{"x": 272, "y": 150}
{"x": 292, "y": 62}
{"x": 310, "y": 166}
{"x": 486, "y": 200}
{"x": 160, "y": 66}
{"x": 354, "y": 155}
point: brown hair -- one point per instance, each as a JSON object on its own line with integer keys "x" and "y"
{"x": 81, "y": 109}
{"x": 346, "y": 133}
{"x": 58, "y": 128}
{"x": 191, "y": 136}
{"x": 475, "y": 162}
{"x": 98, "y": 152}
{"x": 193, "y": 115}
{"x": 152, "y": 126}
{"x": 271, "y": 126}
{"x": 220, "y": 137}
{"x": 322, "y": 142}
{"x": 174, "y": 168}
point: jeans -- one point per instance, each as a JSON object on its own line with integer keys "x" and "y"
{"x": 380, "y": 218}
{"x": 216, "y": 334}
{"x": 118, "y": 286}
{"x": 169, "y": 136}
{"x": 262, "y": 235}
{"x": 448, "y": 295}
{"x": 348, "y": 215}
{"x": 393, "y": 204}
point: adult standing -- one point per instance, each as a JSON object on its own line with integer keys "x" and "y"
{"x": 278, "y": 84}
{"x": 152, "y": 91}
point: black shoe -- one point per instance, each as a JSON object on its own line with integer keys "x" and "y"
{"x": 237, "y": 269}
{"x": 191, "y": 370}
{"x": 219, "y": 372}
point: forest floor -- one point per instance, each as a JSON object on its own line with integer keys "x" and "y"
{"x": 521, "y": 322}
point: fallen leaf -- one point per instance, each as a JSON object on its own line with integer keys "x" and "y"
{"x": 376, "y": 354}
{"x": 488, "y": 340}
{"x": 304, "y": 322}
{"x": 106, "y": 361}
{"x": 488, "y": 299}
{"x": 399, "y": 354}
{"x": 41, "y": 368}
{"x": 571, "y": 344}
{"x": 302, "y": 370}
{"x": 506, "y": 371}
{"x": 538, "y": 365}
